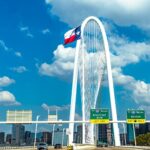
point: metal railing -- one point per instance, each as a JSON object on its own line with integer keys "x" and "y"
{"x": 58, "y": 122}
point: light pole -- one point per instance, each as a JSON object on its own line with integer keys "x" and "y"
{"x": 47, "y": 113}
{"x": 57, "y": 113}
{"x": 54, "y": 128}
{"x": 124, "y": 133}
{"x": 62, "y": 143}
{"x": 134, "y": 134}
{"x": 53, "y": 134}
{"x": 37, "y": 118}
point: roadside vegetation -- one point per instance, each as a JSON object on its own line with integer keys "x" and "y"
{"x": 143, "y": 139}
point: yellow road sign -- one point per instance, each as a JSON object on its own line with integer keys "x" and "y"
{"x": 136, "y": 116}
{"x": 136, "y": 121}
{"x": 99, "y": 121}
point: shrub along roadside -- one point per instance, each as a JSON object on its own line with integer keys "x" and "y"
{"x": 143, "y": 139}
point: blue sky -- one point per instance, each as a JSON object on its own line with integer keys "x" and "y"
{"x": 35, "y": 67}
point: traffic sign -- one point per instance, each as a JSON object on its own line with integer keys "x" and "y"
{"x": 19, "y": 116}
{"x": 136, "y": 116}
{"x": 68, "y": 132}
{"x": 99, "y": 116}
{"x": 52, "y": 117}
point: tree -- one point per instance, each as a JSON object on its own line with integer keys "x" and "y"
{"x": 143, "y": 139}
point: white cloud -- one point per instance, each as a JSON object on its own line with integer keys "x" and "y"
{"x": 120, "y": 58}
{"x": 123, "y": 53}
{"x": 19, "y": 69}
{"x": 45, "y": 31}
{"x": 30, "y": 35}
{"x": 26, "y": 31}
{"x": 54, "y": 107}
{"x": 78, "y": 117}
{"x": 5, "y": 81}
{"x": 48, "y": 1}
{"x": 146, "y": 108}
{"x": 18, "y": 54}
{"x": 7, "y": 98}
{"x": 24, "y": 28}
{"x": 45, "y": 106}
{"x": 8, "y": 49}
{"x": 62, "y": 65}
{"x": 139, "y": 91}
{"x": 121, "y": 79}
{"x": 3, "y": 45}
{"x": 133, "y": 12}
{"x": 126, "y": 52}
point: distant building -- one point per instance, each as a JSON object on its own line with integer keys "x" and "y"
{"x": 32, "y": 136}
{"x": 38, "y": 136}
{"x": 75, "y": 137}
{"x": 102, "y": 133}
{"x": 144, "y": 128}
{"x": 137, "y": 130}
{"x": 123, "y": 138}
{"x": 28, "y": 138}
{"x": 109, "y": 134}
{"x": 130, "y": 134}
{"x": 18, "y": 134}
{"x": 47, "y": 137}
{"x": 58, "y": 135}
{"x": 8, "y": 138}
{"x": 2, "y": 137}
{"x": 79, "y": 134}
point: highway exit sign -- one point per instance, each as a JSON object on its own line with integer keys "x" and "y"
{"x": 99, "y": 116}
{"x": 136, "y": 116}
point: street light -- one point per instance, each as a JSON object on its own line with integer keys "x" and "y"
{"x": 124, "y": 135}
{"x": 62, "y": 143}
{"x": 54, "y": 128}
{"x": 47, "y": 113}
{"x": 37, "y": 118}
{"x": 134, "y": 134}
{"x": 53, "y": 134}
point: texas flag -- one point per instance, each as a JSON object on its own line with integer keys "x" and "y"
{"x": 72, "y": 35}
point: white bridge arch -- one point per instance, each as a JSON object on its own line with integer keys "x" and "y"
{"x": 89, "y": 67}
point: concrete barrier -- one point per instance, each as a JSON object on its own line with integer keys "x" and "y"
{"x": 16, "y": 147}
{"x": 83, "y": 147}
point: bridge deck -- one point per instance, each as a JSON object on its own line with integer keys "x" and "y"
{"x": 83, "y": 148}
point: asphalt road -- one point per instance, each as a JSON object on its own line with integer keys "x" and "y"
{"x": 110, "y": 148}
{"x": 101, "y": 148}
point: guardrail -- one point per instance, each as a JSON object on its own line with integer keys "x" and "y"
{"x": 15, "y": 147}
{"x": 58, "y": 122}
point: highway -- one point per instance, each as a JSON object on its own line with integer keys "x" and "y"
{"x": 82, "y": 148}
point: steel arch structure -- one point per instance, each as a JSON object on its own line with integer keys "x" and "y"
{"x": 91, "y": 57}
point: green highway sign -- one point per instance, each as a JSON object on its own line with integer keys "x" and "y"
{"x": 99, "y": 116}
{"x": 135, "y": 116}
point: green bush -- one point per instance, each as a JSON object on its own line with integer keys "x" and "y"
{"x": 143, "y": 139}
